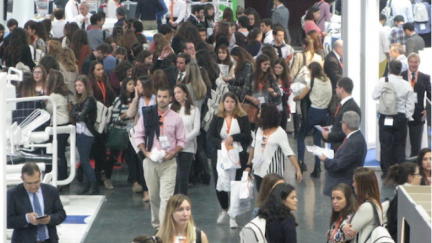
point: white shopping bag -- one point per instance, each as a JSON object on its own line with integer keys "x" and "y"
{"x": 231, "y": 155}
{"x": 224, "y": 176}
{"x": 238, "y": 206}
{"x": 246, "y": 187}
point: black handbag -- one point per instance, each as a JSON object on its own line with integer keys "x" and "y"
{"x": 118, "y": 138}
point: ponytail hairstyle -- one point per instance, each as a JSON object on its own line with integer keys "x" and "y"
{"x": 399, "y": 173}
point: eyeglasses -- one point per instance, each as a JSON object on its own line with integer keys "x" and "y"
{"x": 37, "y": 183}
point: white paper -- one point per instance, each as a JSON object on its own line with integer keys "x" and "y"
{"x": 422, "y": 26}
{"x": 318, "y": 151}
{"x": 157, "y": 155}
{"x": 388, "y": 121}
{"x": 319, "y": 128}
{"x": 224, "y": 70}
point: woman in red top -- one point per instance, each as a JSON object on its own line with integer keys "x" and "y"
{"x": 80, "y": 47}
{"x": 311, "y": 18}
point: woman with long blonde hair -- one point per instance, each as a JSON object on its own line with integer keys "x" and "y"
{"x": 178, "y": 225}
{"x": 195, "y": 84}
{"x": 68, "y": 65}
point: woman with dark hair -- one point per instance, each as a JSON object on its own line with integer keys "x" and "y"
{"x": 180, "y": 36}
{"x": 120, "y": 120}
{"x": 184, "y": 106}
{"x": 208, "y": 63}
{"x": 311, "y": 20}
{"x": 85, "y": 112}
{"x": 49, "y": 62}
{"x": 46, "y": 23}
{"x": 344, "y": 205}
{"x": 316, "y": 96}
{"x": 317, "y": 43}
{"x": 56, "y": 88}
{"x": 283, "y": 77}
{"x": 241, "y": 84}
{"x": 103, "y": 93}
{"x": 121, "y": 53}
{"x": 68, "y": 65}
{"x": 270, "y": 51}
{"x": 230, "y": 125}
{"x": 117, "y": 75}
{"x": 40, "y": 78}
{"x": 228, "y": 15}
{"x": 270, "y": 147}
{"x": 424, "y": 163}
{"x": 276, "y": 210}
{"x": 38, "y": 35}
{"x": 18, "y": 50}
{"x": 209, "y": 14}
{"x": 145, "y": 57}
{"x": 365, "y": 184}
{"x": 254, "y": 38}
{"x": 110, "y": 41}
{"x": 405, "y": 174}
{"x": 223, "y": 59}
{"x": 159, "y": 79}
{"x": 308, "y": 53}
{"x": 129, "y": 39}
{"x": 70, "y": 29}
{"x": 138, "y": 28}
{"x": 136, "y": 49}
{"x": 254, "y": 18}
{"x": 222, "y": 34}
{"x": 265, "y": 87}
{"x": 118, "y": 35}
{"x": 268, "y": 183}
{"x": 26, "y": 88}
{"x": 81, "y": 48}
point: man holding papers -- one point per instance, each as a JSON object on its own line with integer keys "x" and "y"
{"x": 335, "y": 136}
{"x": 350, "y": 154}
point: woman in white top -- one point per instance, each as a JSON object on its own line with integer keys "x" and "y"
{"x": 315, "y": 98}
{"x": 57, "y": 89}
{"x": 308, "y": 53}
{"x": 365, "y": 184}
{"x": 270, "y": 146}
{"x": 183, "y": 105}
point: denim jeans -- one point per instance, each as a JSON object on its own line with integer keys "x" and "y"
{"x": 84, "y": 144}
{"x": 315, "y": 117}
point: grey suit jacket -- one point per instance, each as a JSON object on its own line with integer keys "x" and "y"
{"x": 414, "y": 44}
{"x": 281, "y": 15}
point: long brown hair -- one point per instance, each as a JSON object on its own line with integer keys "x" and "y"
{"x": 351, "y": 203}
{"x": 159, "y": 79}
{"x": 92, "y": 77}
{"x": 167, "y": 230}
{"x": 261, "y": 77}
{"x": 243, "y": 57}
{"x": 268, "y": 183}
{"x": 68, "y": 60}
{"x": 367, "y": 186}
{"x": 55, "y": 48}
{"x": 194, "y": 78}
{"x": 26, "y": 88}
{"x": 316, "y": 71}
{"x": 88, "y": 92}
{"x": 285, "y": 76}
{"x": 238, "y": 111}
{"x": 56, "y": 83}
{"x": 176, "y": 106}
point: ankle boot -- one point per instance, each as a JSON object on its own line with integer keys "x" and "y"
{"x": 316, "y": 172}
{"x": 94, "y": 189}
{"x": 84, "y": 189}
{"x": 303, "y": 166}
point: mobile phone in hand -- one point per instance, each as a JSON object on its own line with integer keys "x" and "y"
{"x": 42, "y": 217}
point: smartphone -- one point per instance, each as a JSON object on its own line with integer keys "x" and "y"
{"x": 42, "y": 217}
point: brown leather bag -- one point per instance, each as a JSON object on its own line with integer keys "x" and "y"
{"x": 251, "y": 110}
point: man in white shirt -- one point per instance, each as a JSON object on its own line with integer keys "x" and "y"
{"x": 282, "y": 50}
{"x": 83, "y": 19}
{"x": 71, "y": 10}
{"x": 266, "y": 29}
{"x": 176, "y": 12}
{"x": 397, "y": 53}
{"x": 393, "y": 128}
{"x": 404, "y": 8}
{"x": 57, "y": 24}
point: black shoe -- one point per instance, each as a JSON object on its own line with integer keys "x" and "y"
{"x": 94, "y": 189}
{"x": 316, "y": 172}
{"x": 303, "y": 166}
{"x": 84, "y": 189}
{"x": 80, "y": 174}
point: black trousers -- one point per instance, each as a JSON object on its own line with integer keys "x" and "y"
{"x": 184, "y": 162}
{"x": 98, "y": 153}
{"x": 415, "y": 136}
{"x": 223, "y": 196}
{"x": 61, "y": 154}
{"x": 393, "y": 141}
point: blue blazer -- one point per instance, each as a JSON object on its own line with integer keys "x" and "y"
{"x": 18, "y": 205}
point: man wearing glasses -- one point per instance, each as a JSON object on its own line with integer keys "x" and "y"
{"x": 34, "y": 209}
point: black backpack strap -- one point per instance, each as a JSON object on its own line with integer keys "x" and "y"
{"x": 103, "y": 34}
{"x": 198, "y": 235}
{"x": 386, "y": 78}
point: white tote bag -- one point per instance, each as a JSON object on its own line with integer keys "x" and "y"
{"x": 224, "y": 176}
{"x": 239, "y": 206}
{"x": 231, "y": 156}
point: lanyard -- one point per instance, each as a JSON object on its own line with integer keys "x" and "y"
{"x": 336, "y": 229}
{"x": 260, "y": 87}
{"x": 228, "y": 125}
{"x": 162, "y": 119}
{"x": 177, "y": 239}
{"x": 413, "y": 81}
{"x": 102, "y": 88}
{"x": 265, "y": 139}
{"x": 147, "y": 102}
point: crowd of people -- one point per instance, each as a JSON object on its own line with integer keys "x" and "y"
{"x": 161, "y": 94}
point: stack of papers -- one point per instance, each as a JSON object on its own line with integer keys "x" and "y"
{"x": 318, "y": 151}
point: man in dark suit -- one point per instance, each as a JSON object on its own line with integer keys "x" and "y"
{"x": 147, "y": 10}
{"x": 414, "y": 42}
{"x": 344, "y": 89}
{"x": 333, "y": 67}
{"x": 121, "y": 16}
{"x": 350, "y": 155}
{"x": 30, "y": 200}
{"x": 197, "y": 14}
{"x": 176, "y": 74}
{"x": 421, "y": 83}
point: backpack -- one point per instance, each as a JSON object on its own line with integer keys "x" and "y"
{"x": 102, "y": 117}
{"x": 387, "y": 100}
{"x": 387, "y": 11}
{"x": 254, "y": 231}
{"x": 379, "y": 234}
{"x": 420, "y": 13}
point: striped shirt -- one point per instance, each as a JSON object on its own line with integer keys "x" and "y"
{"x": 118, "y": 109}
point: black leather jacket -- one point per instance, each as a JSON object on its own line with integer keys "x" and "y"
{"x": 86, "y": 112}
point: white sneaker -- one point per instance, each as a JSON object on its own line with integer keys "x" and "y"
{"x": 233, "y": 223}
{"x": 222, "y": 217}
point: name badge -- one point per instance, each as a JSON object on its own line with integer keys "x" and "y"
{"x": 165, "y": 144}
{"x": 388, "y": 121}
{"x": 261, "y": 99}
{"x": 257, "y": 159}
